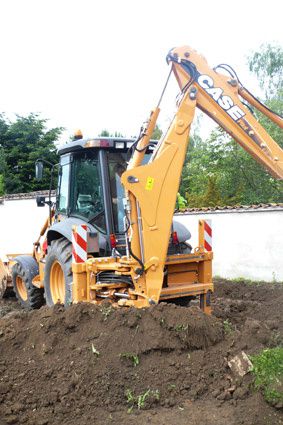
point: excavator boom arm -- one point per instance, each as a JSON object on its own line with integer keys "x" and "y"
{"x": 151, "y": 189}
{"x": 218, "y": 96}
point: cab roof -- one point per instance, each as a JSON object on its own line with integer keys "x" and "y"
{"x": 113, "y": 143}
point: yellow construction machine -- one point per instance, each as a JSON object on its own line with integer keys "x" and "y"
{"x": 107, "y": 240}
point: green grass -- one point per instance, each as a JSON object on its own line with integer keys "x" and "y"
{"x": 276, "y": 339}
{"x": 268, "y": 372}
{"x": 228, "y": 327}
{"x": 140, "y": 400}
{"x": 181, "y": 328}
{"x": 106, "y": 310}
{"x": 133, "y": 357}
{"x": 171, "y": 387}
{"x": 247, "y": 281}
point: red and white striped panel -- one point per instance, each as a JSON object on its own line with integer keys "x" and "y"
{"x": 79, "y": 241}
{"x": 207, "y": 235}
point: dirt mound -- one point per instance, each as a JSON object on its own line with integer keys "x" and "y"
{"x": 8, "y": 306}
{"x": 165, "y": 364}
{"x": 238, "y": 302}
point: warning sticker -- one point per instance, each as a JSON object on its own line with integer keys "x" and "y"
{"x": 149, "y": 183}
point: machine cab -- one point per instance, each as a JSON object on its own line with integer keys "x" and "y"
{"x": 89, "y": 186}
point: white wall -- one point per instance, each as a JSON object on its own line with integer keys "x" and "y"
{"x": 245, "y": 243}
{"x": 20, "y": 224}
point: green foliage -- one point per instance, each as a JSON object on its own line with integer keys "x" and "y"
{"x": 228, "y": 327}
{"x": 133, "y": 357}
{"x": 181, "y": 328}
{"x": 267, "y": 64}
{"x": 139, "y": 401}
{"x": 106, "y": 310}
{"x": 212, "y": 194}
{"x": 268, "y": 371}
{"x": 2, "y": 170}
{"x": 157, "y": 133}
{"x": 2, "y": 161}
{"x": 130, "y": 396}
{"x": 106, "y": 133}
{"x": 181, "y": 202}
{"x": 171, "y": 387}
{"x": 1, "y": 185}
{"x": 22, "y": 142}
{"x": 218, "y": 171}
{"x": 246, "y": 281}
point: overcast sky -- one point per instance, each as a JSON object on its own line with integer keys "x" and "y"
{"x": 101, "y": 64}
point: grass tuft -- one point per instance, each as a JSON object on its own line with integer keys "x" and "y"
{"x": 139, "y": 401}
{"x": 268, "y": 372}
{"x": 106, "y": 311}
{"x": 181, "y": 328}
{"x": 228, "y": 327}
{"x": 133, "y": 357}
{"x": 247, "y": 281}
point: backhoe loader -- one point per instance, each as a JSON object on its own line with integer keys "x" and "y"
{"x": 111, "y": 233}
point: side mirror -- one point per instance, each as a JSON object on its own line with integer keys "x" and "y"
{"x": 40, "y": 201}
{"x": 38, "y": 169}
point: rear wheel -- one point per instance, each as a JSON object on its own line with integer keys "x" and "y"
{"x": 21, "y": 288}
{"x": 28, "y": 295}
{"x": 58, "y": 273}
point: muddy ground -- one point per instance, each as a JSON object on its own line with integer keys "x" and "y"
{"x": 164, "y": 365}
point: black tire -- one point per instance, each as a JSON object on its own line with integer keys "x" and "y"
{"x": 60, "y": 256}
{"x": 27, "y": 294}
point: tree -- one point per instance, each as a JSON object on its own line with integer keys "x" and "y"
{"x": 181, "y": 202}
{"x": 106, "y": 133}
{"x": 267, "y": 65}
{"x": 2, "y": 168}
{"x": 218, "y": 171}
{"x": 22, "y": 142}
{"x": 157, "y": 133}
{"x": 3, "y": 128}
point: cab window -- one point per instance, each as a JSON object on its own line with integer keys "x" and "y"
{"x": 86, "y": 197}
{"x": 63, "y": 184}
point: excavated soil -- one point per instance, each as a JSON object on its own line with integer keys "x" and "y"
{"x": 163, "y": 365}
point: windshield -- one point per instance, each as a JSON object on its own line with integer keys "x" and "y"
{"x": 86, "y": 190}
{"x": 80, "y": 188}
{"x": 117, "y": 165}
